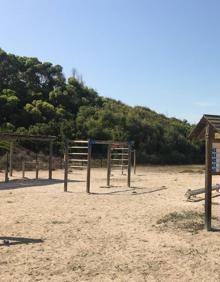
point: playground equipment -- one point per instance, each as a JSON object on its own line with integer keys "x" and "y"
{"x": 119, "y": 157}
{"x": 36, "y": 165}
{"x": 192, "y": 193}
{"x": 78, "y": 153}
{"x": 209, "y": 129}
{"x": 12, "y": 138}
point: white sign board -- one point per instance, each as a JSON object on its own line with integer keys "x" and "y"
{"x": 216, "y": 157}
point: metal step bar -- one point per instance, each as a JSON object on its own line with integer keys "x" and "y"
{"x": 119, "y": 160}
{"x": 79, "y": 154}
{"x": 77, "y": 166}
{"x": 78, "y": 147}
{"x": 77, "y": 160}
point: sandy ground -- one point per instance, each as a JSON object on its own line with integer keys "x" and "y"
{"x": 146, "y": 233}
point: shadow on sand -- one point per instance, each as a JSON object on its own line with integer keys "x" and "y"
{"x": 199, "y": 199}
{"x": 213, "y": 229}
{"x": 25, "y": 183}
{"x": 132, "y": 190}
{"x": 11, "y": 241}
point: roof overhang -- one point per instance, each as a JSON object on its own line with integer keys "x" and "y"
{"x": 199, "y": 131}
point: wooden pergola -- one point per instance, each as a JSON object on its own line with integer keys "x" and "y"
{"x": 14, "y": 137}
{"x": 208, "y": 129}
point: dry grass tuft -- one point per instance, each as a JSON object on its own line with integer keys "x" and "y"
{"x": 189, "y": 221}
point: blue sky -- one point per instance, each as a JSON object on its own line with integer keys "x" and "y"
{"x": 162, "y": 54}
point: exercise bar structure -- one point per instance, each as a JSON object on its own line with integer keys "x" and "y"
{"x": 119, "y": 157}
{"x": 193, "y": 193}
{"x": 78, "y": 155}
{"x": 209, "y": 129}
{"x": 12, "y": 138}
{"x": 34, "y": 164}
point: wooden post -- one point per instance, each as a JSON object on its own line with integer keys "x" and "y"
{"x": 61, "y": 163}
{"x": 122, "y": 162}
{"x": 129, "y": 165}
{"x": 23, "y": 169}
{"x": 208, "y": 177}
{"x": 66, "y": 165}
{"x": 108, "y": 165}
{"x": 11, "y": 158}
{"x": 88, "y": 166}
{"x": 134, "y": 161}
{"x": 6, "y": 168}
{"x": 50, "y": 165}
{"x": 37, "y": 167}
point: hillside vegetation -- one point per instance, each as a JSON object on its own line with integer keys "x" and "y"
{"x": 36, "y": 98}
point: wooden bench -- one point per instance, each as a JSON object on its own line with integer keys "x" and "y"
{"x": 189, "y": 193}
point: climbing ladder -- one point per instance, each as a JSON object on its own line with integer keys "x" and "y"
{"x": 119, "y": 157}
{"x": 77, "y": 155}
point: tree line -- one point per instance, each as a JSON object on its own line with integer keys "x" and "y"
{"x": 36, "y": 98}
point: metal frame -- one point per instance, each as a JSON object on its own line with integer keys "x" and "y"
{"x": 87, "y": 145}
